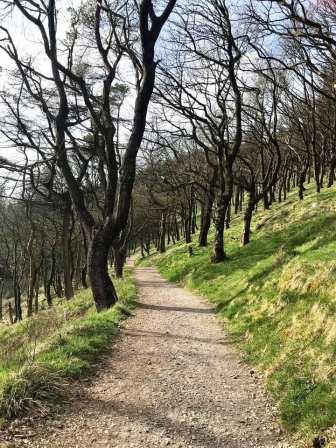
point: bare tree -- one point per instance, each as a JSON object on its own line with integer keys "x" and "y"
{"x": 210, "y": 101}
{"x": 122, "y": 31}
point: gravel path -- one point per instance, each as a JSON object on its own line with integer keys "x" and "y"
{"x": 173, "y": 379}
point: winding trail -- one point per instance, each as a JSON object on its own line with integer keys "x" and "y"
{"x": 172, "y": 379}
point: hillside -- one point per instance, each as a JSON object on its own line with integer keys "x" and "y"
{"x": 41, "y": 354}
{"x": 277, "y": 297}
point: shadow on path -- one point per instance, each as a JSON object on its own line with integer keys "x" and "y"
{"x": 156, "y": 334}
{"x": 175, "y": 308}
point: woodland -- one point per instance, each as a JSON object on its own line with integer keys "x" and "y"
{"x": 197, "y": 136}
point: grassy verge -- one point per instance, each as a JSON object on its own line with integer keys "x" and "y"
{"x": 39, "y": 355}
{"x": 278, "y": 297}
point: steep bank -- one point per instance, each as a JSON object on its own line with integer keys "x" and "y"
{"x": 278, "y": 296}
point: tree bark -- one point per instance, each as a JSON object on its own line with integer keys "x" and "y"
{"x": 119, "y": 261}
{"x": 58, "y": 285}
{"x": 218, "y": 248}
{"x": 228, "y": 216}
{"x": 177, "y": 230}
{"x": 104, "y": 293}
{"x": 36, "y": 294}
{"x": 245, "y": 238}
{"x": 223, "y": 203}
{"x": 331, "y": 177}
{"x": 2, "y": 285}
{"x": 205, "y": 223}
{"x": 162, "y": 236}
{"x": 66, "y": 243}
{"x": 31, "y": 287}
{"x": 32, "y": 271}
{"x": 207, "y": 212}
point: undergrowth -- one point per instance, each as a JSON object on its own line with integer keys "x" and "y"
{"x": 40, "y": 355}
{"x": 278, "y": 298}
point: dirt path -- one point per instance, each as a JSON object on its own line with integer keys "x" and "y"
{"x": 173, "y": 379}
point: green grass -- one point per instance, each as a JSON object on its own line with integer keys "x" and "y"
{"x": 277, "y": 296}
{"x": 38, "y": 356}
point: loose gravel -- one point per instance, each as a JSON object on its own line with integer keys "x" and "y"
{"x": 173, "y": 378}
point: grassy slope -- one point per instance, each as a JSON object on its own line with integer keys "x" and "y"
{"x": 278, "y": 295}
{"x": 38, "y": 355}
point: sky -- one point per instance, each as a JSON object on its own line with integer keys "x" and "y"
{"x": 28, "y": 42}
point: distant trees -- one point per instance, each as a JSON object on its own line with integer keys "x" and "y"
{"x": 122, "y": 33}
{"x": 265, "y": 130}
{"x": 243, "y": 111}
{"x": 206, "y": 90}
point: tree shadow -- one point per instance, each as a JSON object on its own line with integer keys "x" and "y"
{"x": 175, "y": 308}
{"x": 167, "y": 335}
{"x": 200, "y": 435}
{"x": 267, "y": 245}
{"x": 155, "y": 283}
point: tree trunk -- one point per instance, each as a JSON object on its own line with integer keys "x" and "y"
{"x": 177, "y": 230}
{"x": 187, "y": 224}
{"x": 66, "y": 247}
{"x": 32, "y": 271}
{"x": 84, "y": 268}
{"x": 10, "y": 313}
{"x": 104, "y": 293}
{"x": 119, "y": 261}
{"x": 162, "y": 236}
{"x": 31, "y": 286}
{"x": 142, "y": 248}
{"x": 332, "y": 168}
{"x": 228, "y": 216}
{"x": 194, "y": 219}
{"x": 218, "y": 248}
{"x": 36, "y": 294}
{"x": 266, "y": 200}
{"x": 1, "y": 298}
{"x": 17, "y": 301}
{"x": 301, "y": 188}
{"x": 51, "y": 277}
{"x": 236, "y": 200}
{"x": 245, "y": 238}
{"x": 84, "y": 277}
{"x": 58, "y": 285}
{"x": 280, "y": 192}
{"x": 207, "y": 212}
{"x": 205, "y": 223}
{"x": 223, "y": 203}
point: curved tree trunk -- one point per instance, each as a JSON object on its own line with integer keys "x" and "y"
{"x": 104, "y": 293}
